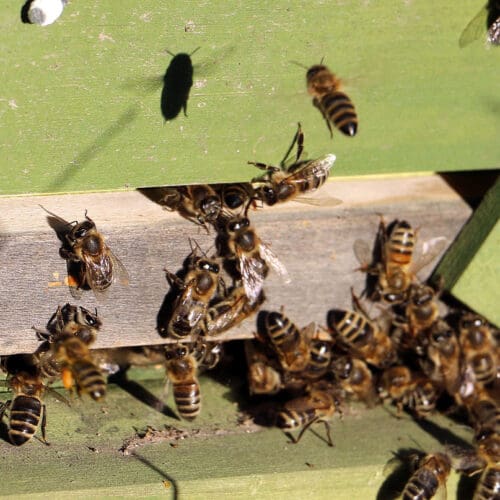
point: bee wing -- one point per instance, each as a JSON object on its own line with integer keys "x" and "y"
{"x": 429, "y": 251}
{"x": 363, "y": 252}
{"x": 270, "y": 258}
{"x": 252, "y": 274}
{"x": 98, "y": 272}
{"x": 441, "y": 493}
{"x": 119, "y": 271}
{"x": 475, "y": 28}
{"x": 319, "y": 201}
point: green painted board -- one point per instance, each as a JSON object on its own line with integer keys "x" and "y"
{"x": 470, "y": 269}
{"x": 219, "y": 457}
{"x": 80, "y": 99}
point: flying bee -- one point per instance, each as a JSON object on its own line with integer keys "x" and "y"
{"x": 364, "y": 338}
{"x": 291, "y": 344}
{"x": 198, "y": 203}
{"x": 26, "y": 409}
{"x": 479, "y": 349}
{"x": 182, "y": 370}
{"x": 486, "y": 20}
{"x": 406, "y": 389}
{"x": 318, "y": 406}
{"x": 443, "y": 364}
{"x": 429, "y": 477}
{"x": 335, "y": 106}
{"x": 230, "y": 311}
{"x": 355, "y": 378}
{"x": 398, "y": 264}
{"x": 91, "y": 263}
{"x": 253, "y": 257}
{"x": 285, "y": 183}
{"x": 198, "y": 288}
{"x": 78, "y": 366}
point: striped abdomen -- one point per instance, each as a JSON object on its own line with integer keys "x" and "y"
{"x": 488, "y": 486}
{"x": 338, "y": 108}
{"x": 421, "y": 486}
{"x": 422, "y": 399}
{"x": 320, "y": 359}
{"x": 89, "y": 379}
{"x": 400, "y": 246}
{"x": 25, "y": 415}
{"x": 187, "y": 399}
{"x": 354, "y": 329}
{"x": 293, "y": 419}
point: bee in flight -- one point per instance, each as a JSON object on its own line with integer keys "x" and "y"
{"x": 334, "y": 104}
{"x": 486, "y": 21}
{"x": 91, "y": 263}
{"x": 285, "y": 183}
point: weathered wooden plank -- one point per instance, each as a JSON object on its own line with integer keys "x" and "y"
{"x": 315, "y": 244}
{"x": 80, "y": 99}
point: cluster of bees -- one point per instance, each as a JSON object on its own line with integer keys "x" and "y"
{"x": 410, "y": 354}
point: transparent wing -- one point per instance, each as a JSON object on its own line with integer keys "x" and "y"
{"x": 363, "y": 253}
{"x": 441, "y": 493}
{"x": 253, "y": 272}
{"x": 475, "y": 28}
{"x": 119, "y": 272}
{"x": 430, "y": 249}
{"x": 98, "y": 272}
{"x": 319, "y": 201}
{"x": 270, "y": 258}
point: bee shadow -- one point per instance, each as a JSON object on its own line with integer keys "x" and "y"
{"x": 150, "y": 465}
{"x": 177, "y": 83}
{"x": 140, "y": 393}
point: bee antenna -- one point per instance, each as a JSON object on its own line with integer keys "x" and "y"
{"x": 195, "y": 50}
{"x": 299, "y": 64}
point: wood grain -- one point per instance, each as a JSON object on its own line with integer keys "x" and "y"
{"x": 314, "y": 243}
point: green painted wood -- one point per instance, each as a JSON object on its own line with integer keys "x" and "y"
{"x": 471, "y": 268}
{"x": 80, "y": 110}
{"x": 218, "y": 459}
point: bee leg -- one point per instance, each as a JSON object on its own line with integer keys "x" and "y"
{"x": 3, "y": 408}
{"x": 44, "y": 424}
{"x": 41, "y": 335}
{"x": 317, "y": 104}
{"x": 263, "y": 166}
{"x": 304, "y": 429}
{"x": 328, "y": 433}
{"x": 298, "y": 139}
{"x": 174, "y": 280}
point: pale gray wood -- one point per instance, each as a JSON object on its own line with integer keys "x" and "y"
{"x": 315, "y": 244}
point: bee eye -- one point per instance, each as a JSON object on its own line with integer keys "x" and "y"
{"x": 90, "y": 320}
{"x": 181, "y": 351}
{"x": 80, "y": 233}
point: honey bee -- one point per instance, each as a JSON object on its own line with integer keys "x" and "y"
{"x": 198, "y": 203}
{"x": 398, "y": 266}
{"x": 416, "y": 392}
{"x": 241, "y": 242}
{"x": 355, "y": 378}
{"x": 230, "y": 311}
{"x": 318, "y": 406}
{"x": 291, "y": 344}
{"x": 442, "y": 364}
{"x": 264, "y": 376}
{"x": 281, "y": 184}
{"x": 78, "y": 367}
{"x": 26, "y": 409}
{"x": 75, "y": 320}
{"x": 320, "y": 358}
{"x": 97, "y": 267}
{"x": 479, "y": 349}
{"x": 429, "y": 477}
{"x": 182, "y": 369}
{"x": 364, "y": 338}
{"x": 335, "y": 106}
{"x": 44, "y": 12}
{"x": 484, "y": 411}
{"x": 198, "y": 288}
{"x": 237, "y": 195}
{"x": 486, "y": 20}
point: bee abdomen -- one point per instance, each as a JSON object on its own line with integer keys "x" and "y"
{"x": 291, "y": 419}
{"x": 188, "y": 400}
{"x": 489, "y": 484}
{"x": 422, "y": 486}
{"x": 89, "y": 379}
{"x": 25, "y": 416}
{"x": 340, "y": 111}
